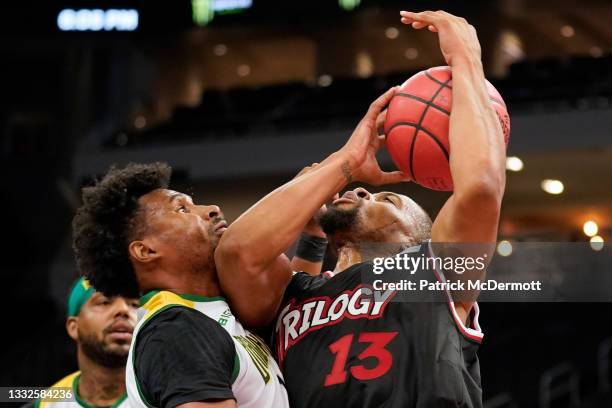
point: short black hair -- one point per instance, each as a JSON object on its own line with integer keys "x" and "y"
{"x": 108, "y": 220}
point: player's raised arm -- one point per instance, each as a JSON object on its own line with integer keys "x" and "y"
{"x": 478, "y": 154}
{"x": 252, "y": 270}
{"x": 477, "y": 148}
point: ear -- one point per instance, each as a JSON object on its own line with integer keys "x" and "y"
{"x": 142, "y": 252}
{"x": 72, "y": 327}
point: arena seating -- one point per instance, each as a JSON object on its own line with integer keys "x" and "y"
{"x": 553, "y": 85}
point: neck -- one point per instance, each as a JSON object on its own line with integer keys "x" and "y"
{"x": 196, "y": 287}
{"x": 99, "y": 386}
{"x": 350, "y": 253}
{"x": 202, "y": 283}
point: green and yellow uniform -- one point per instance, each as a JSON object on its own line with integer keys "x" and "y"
{"x": 189, "y": 348}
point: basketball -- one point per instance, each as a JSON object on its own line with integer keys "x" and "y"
{"x": 417, "y": 124}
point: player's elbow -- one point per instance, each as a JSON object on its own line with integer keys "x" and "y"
{"x": 486, "y": 179}
{"x": 484, "y": 194}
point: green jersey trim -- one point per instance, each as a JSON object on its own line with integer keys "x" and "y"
{"x": 194, "y": 298}
{"x": 198, "y": 298}
{"x": 119, "y": 401}
{"x": 145, "y": 298}
{"x": 75, "y": 390}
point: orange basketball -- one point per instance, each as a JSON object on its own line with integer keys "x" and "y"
{"x": 417, "y": 125}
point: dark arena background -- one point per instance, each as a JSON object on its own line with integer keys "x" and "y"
{"x": 239, "y": 95}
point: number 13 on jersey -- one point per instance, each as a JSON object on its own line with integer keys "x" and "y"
{"x": 376, "y": 349}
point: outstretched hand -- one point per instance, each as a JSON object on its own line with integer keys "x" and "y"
{"x": 361, "y": 148}
{"x": 458, "y": 39}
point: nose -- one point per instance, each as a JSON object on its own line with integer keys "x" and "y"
{"x": 122, "y": 308}
{"x": 362, "y": 193}
{"x": 211, "y": 212}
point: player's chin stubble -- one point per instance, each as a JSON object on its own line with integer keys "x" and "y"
{"x": 336, "y": 220}
{"x": 98, "y": 351}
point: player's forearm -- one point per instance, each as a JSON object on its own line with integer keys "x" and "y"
{"x": 477, "y": 159}
{"x": 268, "y": 228}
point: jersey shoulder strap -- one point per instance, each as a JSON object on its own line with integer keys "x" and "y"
{"x": 157, "y": 302}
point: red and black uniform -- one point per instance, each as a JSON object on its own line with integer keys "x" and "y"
{"x": 341, "y": 343}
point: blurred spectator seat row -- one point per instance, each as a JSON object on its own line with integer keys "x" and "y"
{"x": 554, "y": 85}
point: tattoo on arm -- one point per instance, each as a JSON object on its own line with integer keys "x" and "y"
{"x": 346, "y": 170}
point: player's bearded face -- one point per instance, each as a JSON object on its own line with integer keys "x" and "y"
{"x": 360, "y": 216}
{"x": 105, "y": 327}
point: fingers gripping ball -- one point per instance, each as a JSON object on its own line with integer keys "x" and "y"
{"x": 417, "y": 126}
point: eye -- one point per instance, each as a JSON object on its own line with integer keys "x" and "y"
{"x": 182, "y": 209}
{"x": 104, "y": 301}
{"x": 390, "y": 200}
